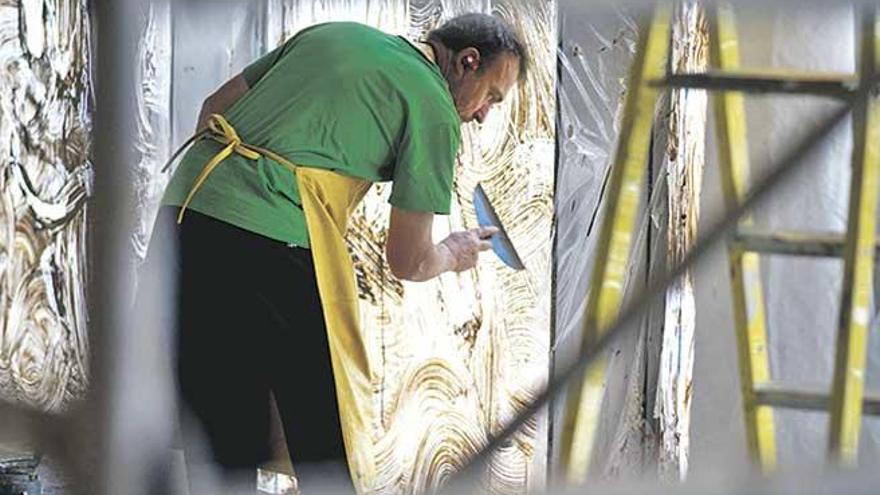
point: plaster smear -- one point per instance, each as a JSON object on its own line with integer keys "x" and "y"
{"x": 685, "y": 156}
{"x": 44, "y": 185}
{"x": 457, "y": 357}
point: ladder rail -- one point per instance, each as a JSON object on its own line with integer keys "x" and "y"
{"x": 857, "y": 287}
{"x": 585, "y": 396}
{"x": 745, "y": 267}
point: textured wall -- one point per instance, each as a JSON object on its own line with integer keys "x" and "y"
{"x": 683, "y": 160}
{"x": 456, "y": 357}
{"x": 44, "y": 181}
{"x": 453, "y": 358}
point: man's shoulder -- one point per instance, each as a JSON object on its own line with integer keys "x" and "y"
{"x": 352, "y": 44}
{"x": 385, "y": 63}
{"x": 341, "y": 31}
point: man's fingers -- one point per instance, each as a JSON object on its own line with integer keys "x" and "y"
{"x": 486, "y": 232}
{"x": 484, "y": 245}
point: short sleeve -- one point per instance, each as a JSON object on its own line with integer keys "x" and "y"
{"x": 425, "y": 166}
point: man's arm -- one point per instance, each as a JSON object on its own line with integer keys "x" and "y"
{"x": 412, "y": 254}
{"x": 222, "y": 99}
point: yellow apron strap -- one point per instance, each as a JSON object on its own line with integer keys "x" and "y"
{"x": 328, "y": 200}
{"x": 183, "y": 147}
{"x": 220, "y": 130}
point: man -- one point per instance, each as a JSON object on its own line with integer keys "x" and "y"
{"x": 283, "y": 153}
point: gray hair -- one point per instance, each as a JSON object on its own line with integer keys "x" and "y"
{"x": 487, "y": 33}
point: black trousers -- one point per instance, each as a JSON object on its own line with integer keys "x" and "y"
{"x": 249, "y": 321}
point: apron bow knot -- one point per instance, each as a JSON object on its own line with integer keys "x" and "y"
{"x": 223, "y": 132}
{"x": 219, "y": 129}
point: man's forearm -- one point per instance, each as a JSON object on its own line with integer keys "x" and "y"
{"x": 425, "y": 264}
{"x": 412, "y": 254}
{"x": 439, "y": 259}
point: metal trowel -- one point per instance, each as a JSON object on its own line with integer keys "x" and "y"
{"x": 487, "y": 217}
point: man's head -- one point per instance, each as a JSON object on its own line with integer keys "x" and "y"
{"x": 483, "y": 60}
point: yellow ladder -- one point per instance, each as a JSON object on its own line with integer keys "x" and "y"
{"x": 584, "y": 398}
{"x": 847, "y": 401}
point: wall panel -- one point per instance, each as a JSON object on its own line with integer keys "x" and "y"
{"x": 45, "y": 177}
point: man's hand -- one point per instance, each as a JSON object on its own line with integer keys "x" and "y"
{"x": 412, "y": 254}
{"x": 464, "y": 247}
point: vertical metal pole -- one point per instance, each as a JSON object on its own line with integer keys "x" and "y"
{"x": 131, "y": 435}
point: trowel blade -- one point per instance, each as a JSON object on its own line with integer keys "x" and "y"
{"x": 501, "y": 243}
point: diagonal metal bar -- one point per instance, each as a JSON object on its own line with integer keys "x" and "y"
{"x": 791, "y": 161}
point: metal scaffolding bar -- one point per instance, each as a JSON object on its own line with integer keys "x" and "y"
{"x": 130, "y": 409}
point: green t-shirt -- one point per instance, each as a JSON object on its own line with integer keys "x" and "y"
{"x": 340, "y": 96}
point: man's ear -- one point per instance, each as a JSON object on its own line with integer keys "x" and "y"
{"x": 467, "y": 59}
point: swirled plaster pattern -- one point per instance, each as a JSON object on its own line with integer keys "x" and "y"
{"x": 45, "y": 97}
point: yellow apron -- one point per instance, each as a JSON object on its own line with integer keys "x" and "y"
{"x": 328, "y": 199}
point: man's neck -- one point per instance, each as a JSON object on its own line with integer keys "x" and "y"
{"x": 427, "y": 50}
{"x": 442, "y": 56}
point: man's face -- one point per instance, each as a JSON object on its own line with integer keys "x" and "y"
{"x": 475, "y": 92}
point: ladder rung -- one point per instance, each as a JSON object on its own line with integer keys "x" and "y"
{"x": 840, "y": 85}
{"x": 813, "y": 399}
{"x": 792, "y": 243}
